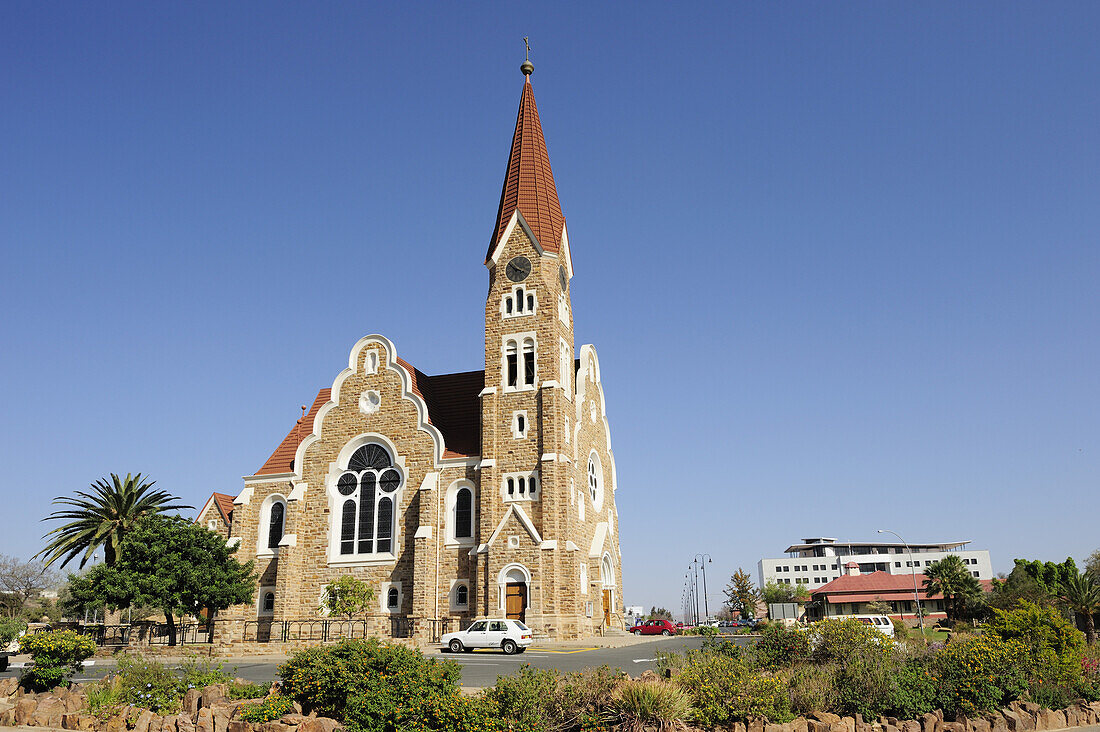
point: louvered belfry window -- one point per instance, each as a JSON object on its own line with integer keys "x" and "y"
{"x": 369, "y": 486}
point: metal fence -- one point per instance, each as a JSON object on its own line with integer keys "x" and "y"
{"x": 136, "y": 634}
{"x": 324, "y": 630}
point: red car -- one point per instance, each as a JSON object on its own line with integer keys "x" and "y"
{"x": 655, "y": 627}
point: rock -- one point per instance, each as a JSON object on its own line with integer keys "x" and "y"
{"x": 768, "y": 727}
{"x": 238, "y": 725}
{"x": 954, "y": 727}
{"x": 168, "y": 724}
{"x": 116, "y": 723}
{"x": 1071, "y": 716}
{"x": 75, "y": 702}
{"x": 930, "y": 723}
{"x": 996, "y": 722}
{"x": 24, "y": 710}
{"x": 49, "y": 712}
{"x": 330, "y": 725}
{"x": 1052, "y": 719}
{"x": 848, "y": 724}
{"x": 274, "y": 727}
{"x": 184, "y": 722}
{"x": 221, "y": 714}
{"x": 909, "y": 725}
{"x": 292, "y": 719}
{"x": 141, "y": 724}
{"x": 82, "y": 722}
{"x": 798, "y": 725}
{"x": 1019, "y": 720}
{"x": 980, "y": 724}
{"x": 214, "y": 694}
{"x": 738, "y": 727}
{"x": 191, "y": 701}
{"x": 814, "y": 725}
{"x": 204, "y": 720}
{"x": 7, "y": 717}
{"x": 754, "y": 724}
{"x": 826, "y": 717}
{"x": 8, "y": 686}
{"x": 70, "y": 721}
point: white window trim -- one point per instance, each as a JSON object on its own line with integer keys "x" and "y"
{"x": 517, "y": 433}
{"x": 384, "y": 595}
{"x": 516, "y": 496}
{"x": 260, "y": 612}
{"x": 518, "y": 339}
{"x": 262, "y": 549}
{"x": 455, "y": 607}
{"x": 449, "y": 502}
{"x": 502, "y": 584}
{"x": 563, "y": 309}
{"x": 595, "y": 492}
{"x": 336, "y": 502}
{"x": 584, "y": 578}
{"x": 519, "y": 309}
{"x": 565, "y": 369}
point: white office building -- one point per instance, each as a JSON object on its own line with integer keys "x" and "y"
{"x": 819, "y": 560}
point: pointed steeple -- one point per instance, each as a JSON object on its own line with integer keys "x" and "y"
{"x": 529, "y": 182}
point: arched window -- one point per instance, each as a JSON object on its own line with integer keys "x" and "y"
{"x": 393, "y": 598}
{"x": 275, "y": 525}
{"x": 462, "y": 596}
{"x": 595, "y": 480}
{"x": 464, "y": 514}
{"x": 269, "y": 602}
{"x": 512, "y": 363}
{"x": 368, "y": 487}
{"x": 529, "y": 362}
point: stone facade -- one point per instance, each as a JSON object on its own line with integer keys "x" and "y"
{"x": 552, "y": 544}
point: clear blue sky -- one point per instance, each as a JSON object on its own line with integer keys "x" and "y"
{"x": 839, "y": 259}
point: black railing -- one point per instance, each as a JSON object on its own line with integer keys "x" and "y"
{"x": 325, "y": 630}
{"x": 437, "y": 627}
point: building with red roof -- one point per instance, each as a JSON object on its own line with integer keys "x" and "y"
{"x": 853, "y": 593}
{"x": 486, "y": 492}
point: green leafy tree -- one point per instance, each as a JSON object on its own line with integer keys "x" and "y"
{"x": 659, "y": 613}
{"x": 102, "y": 517}
{"x": 1050, "y": 576}
{"x": 347, "y": 596}
{"x": 172, "y": 564}
{"x": 10, "y": 628}
{"x": 1053, "y": 646}
{"x": 741, "y": 594}
{"x": 1007, "y": 592}
{"x": 879, "y": 607}
{"x": 1081, "y": 594}
{"x": 952, "y": 579}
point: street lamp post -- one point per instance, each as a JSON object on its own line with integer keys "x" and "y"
{"x": 699, "y": 558}
{"x": 913, "y": 571}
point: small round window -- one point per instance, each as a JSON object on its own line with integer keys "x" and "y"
{"x": 595, "y": 480}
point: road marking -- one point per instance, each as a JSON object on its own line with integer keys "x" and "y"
{"x": 643, "y": 660}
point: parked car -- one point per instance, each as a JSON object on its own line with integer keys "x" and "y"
{"x": 656, "y": 627}
{"x": 881, "y": 623}
{"x": 510, "y": 636}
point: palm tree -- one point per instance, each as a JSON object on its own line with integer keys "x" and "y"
{"x": 102, "y": 517}
{"x": 950, "y": 577}
{"x": 1081, "y": 594}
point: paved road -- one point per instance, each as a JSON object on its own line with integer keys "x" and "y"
{"x": 479, "y": 668}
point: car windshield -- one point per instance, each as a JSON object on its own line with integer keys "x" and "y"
{"x": 520, "y": 625}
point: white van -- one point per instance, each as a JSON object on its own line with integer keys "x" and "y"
{"x": 880, "y": 623}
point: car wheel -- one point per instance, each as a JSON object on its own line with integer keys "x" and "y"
{"x": 666, "y": 631}
{"x": 456, "y": 646}
{"x": 508, "y": 646}
{"x": 637, "y": 632}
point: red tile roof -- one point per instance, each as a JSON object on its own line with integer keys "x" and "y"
{"x": 454, "y": 408}
{"x": 877, "y": 585}
{"x": 529, "y": 182}
{"x": 225, "y": 504}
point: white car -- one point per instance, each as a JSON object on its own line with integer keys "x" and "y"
{"x": 510, "y": 636}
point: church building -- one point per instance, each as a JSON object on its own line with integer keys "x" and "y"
{"x": 457, "y": 496}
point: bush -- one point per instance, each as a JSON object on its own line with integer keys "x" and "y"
{"x": 866, "y": 679}
{"x": 726, "y": 689}
{"x": 640, "y": 704}
{"x": 10, "y": 628}
{"x": 268, "y": 710}
{"x": 525, "y": 700}
{"x": 703, "y": 630}
{"x": 813, "y": 689}
{"x": 915, "y": 689}
{"x": 1053, "y": 646}
{"x": 582, "y": 698}
{"x": 102, "y": 696}
{"x": 835, "y": 640}
{"x": 200, "y": 672}
{"x": 780, "y": 647}
{"x": 979, "y": 673}
{"x": 238, "y": 690}
{"x": 901, "y": 628}
{"x": 56, "y": 654}
{"x": 370, "y": 686}
{"x": 149, "y": 684}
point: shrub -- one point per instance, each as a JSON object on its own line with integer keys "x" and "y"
{"x": 370, "y": 686}
{"x": 978, "y": 673}
{"x": 102, "y": 696}
{"x": 780, "y": 647}
{"x": 56, "y": 654}
{"x": 813, "y": 689}
{"x": 1089, "y": 686}
{"x": 722, "y": 646}
{"x": 526, "y": 699}
{"x": 833, "y": 639}
{"x": 582, "y": 698}
{"x": 915, "y": 689}
{"x": 901, "y": 628}
{"x": 200, "y": 672}
{"x": 246, "y": 691}
{"x": 148, "y": 683}
{"x": 703, "y": 630}
{"x": 865, "y": 679}
{"x": 1051, "y": 695}
{"x": 637, "y": 705}
{"x": 268, "y": 710}
{"x": 725, "y": 689}
{"x": 1053, "y": 646}
{"x": 10, "y": 628}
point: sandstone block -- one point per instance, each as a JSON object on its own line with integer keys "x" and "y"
{"x": 48, "y": 713}
{"x": 954, "y": 727}
{"x": 168, "y": 724}
{"x": 116, "y": 723}
{"x": 769, "y": 727}
{"x": 978, "y": 725}
{"x": 814, "y": 725}
{"x": 910, "y": 725}
{"x": 24, "y": 710}
{"x": 826, "y": 717}
{"x": 185, "y": 722}
{"x": 930, "y": 723}
{"x": 191, "y": 701}
{"x": 204, "y": 720}
{"x": 1053, "y": 719}
{"x": 143, "y": 720}
{"x": 222, "y": 713}
{"x": 7, "y": 717}
{"x": 238, "y": 725}
{"x": 214, "y": 694}
{"x": 278, "y": 727}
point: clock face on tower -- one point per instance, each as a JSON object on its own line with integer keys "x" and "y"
{"x": 563, "y": 280}
{"x": 518, "y": 269}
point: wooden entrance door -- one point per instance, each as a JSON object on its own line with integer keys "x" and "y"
{"x": 607, "y": 607}
{"x": 515, "y": 600}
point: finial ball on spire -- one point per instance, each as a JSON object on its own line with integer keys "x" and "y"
{"x": 527, "y": 67}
